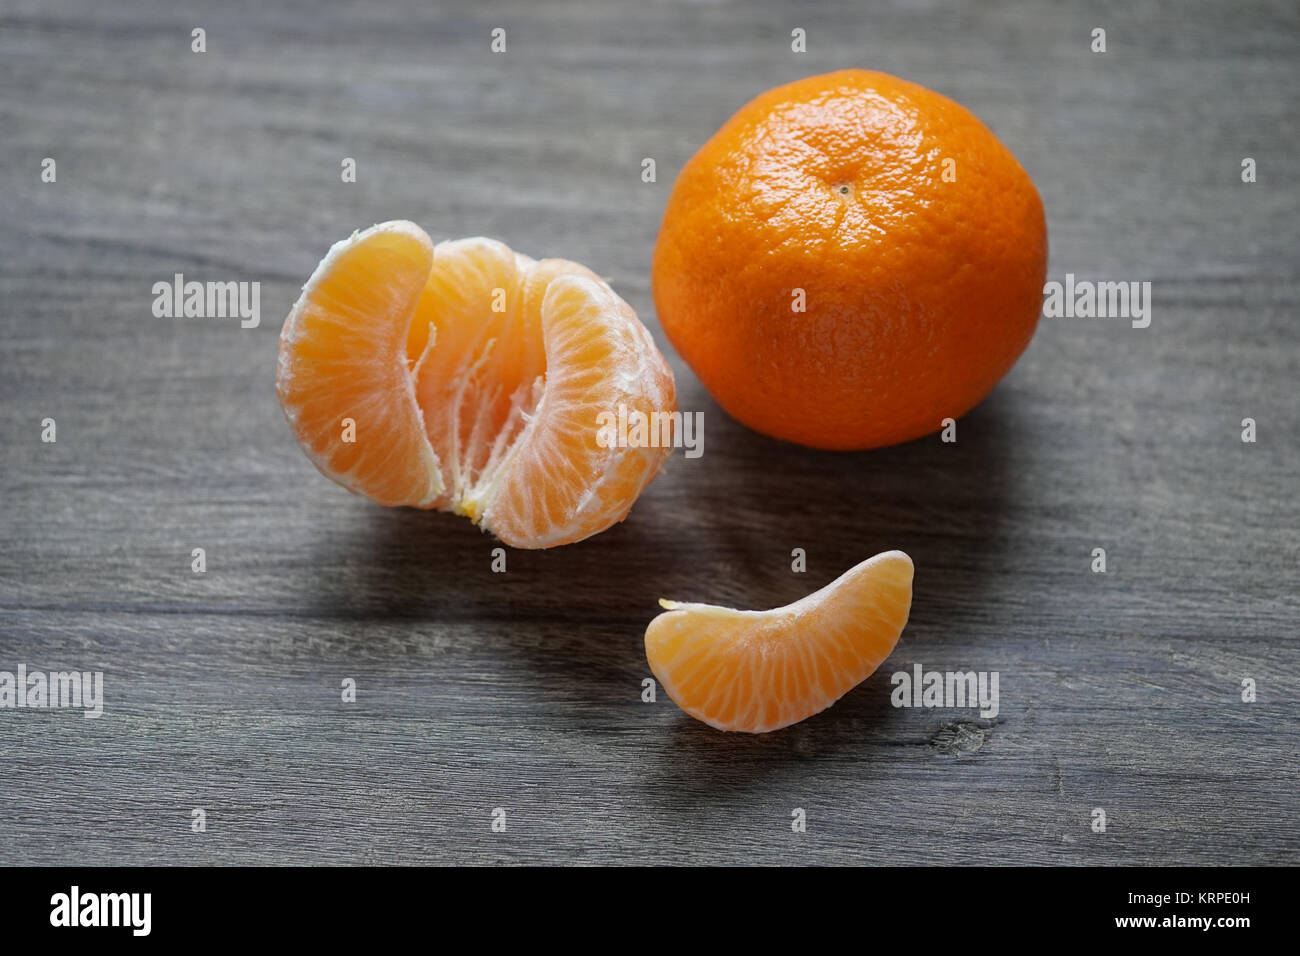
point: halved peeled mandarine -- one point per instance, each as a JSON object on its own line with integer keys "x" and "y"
{"x": 470, "y": 378}
{"x": 756, "y": 671}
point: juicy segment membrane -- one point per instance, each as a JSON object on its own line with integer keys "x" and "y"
{"x": 758, "y": 671}
{"x": 475, "y": 377}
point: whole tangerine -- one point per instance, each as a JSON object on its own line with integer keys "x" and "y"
{"x": 849, "y": 260}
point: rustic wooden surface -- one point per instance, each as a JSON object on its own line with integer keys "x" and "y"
{"x": 1119, "y": 691}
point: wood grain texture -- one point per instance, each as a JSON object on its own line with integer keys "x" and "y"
{"x": 1120, "y": 691}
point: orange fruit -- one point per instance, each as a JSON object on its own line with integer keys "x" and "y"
{"x": 756, "y": 671}
{"x": 470, "y": 378}
{"x": 849, "y": 260}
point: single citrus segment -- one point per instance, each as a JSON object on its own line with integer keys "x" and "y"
{"x": 343, "y": 369}
{"x": 757, "y": 671}
{"x": 477, "y": 376}
{"x": 849, "y": 260}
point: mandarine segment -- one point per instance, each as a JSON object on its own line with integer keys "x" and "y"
{"x": 476, "y": 368}
{"x": 849, "y": 260}
{"x": 757, "y": 671}
{"x": 343, "y": 357}
{"x": 483, "y": 374}
{"x": 561, "y": 483}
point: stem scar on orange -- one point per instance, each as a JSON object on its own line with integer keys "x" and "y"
{"x": 849, "y": 260}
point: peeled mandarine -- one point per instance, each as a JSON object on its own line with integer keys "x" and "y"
{"x": 849, "y": 260}
{"x": 471, "y": 378}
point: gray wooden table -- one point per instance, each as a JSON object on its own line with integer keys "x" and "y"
{"x": 1119, "y": 691}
